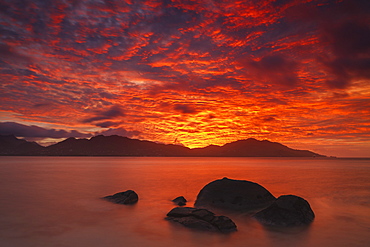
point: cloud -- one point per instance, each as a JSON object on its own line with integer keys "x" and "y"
{"x": 350, "y": 59}
{"x": 186, "y": 109}
{"x": 276, "y": 101}
{"x": 20, "y": 130}
{"x": 350, "y": 39}
{"x": 119, "y": 132}
{"x": 107, "y": 124}
{"x": 273, "y": 69}
{"x": 114, "y": 112}
{"x": 10, "y": 55}
{"x": 343, "y": 38}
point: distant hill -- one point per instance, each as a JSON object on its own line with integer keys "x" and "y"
{"x": 114, "y": 146}
{"x": 10, "y": 145}
{"x": 123, "y": 146}
{"x": 253, "y": 148}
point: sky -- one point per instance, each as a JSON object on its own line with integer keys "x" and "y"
{"x": 187, "y": 72}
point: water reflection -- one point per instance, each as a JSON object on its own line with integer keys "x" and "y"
{"x": 55, "y": 201}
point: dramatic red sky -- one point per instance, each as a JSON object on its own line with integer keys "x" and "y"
{"x": 188, "y": 72}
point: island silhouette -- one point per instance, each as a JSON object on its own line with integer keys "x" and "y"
{"x": 123, "y": 146}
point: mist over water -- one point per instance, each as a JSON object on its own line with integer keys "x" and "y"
{"x": 55, "y": 201}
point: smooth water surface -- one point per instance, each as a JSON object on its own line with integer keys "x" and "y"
{"x": 55, "y": 201}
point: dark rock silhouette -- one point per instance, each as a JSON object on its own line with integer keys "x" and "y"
{"x": 252, "y": 148}
{"x": 201, "y": 219}
{"x": 114, "y": 146}
{"x": 181, "y": 201}
{"x": 287, "y": 210}
{"x": 122, "y": 146}
{"x": 126, "y": 197}
{"x": 234, "y": 195}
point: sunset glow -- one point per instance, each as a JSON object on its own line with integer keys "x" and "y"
{"x": 193, "y": 73}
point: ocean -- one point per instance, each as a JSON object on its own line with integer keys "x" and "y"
{"x": 56, "y": 201}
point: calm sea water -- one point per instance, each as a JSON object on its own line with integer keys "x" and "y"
{"x": 55, "y": 201}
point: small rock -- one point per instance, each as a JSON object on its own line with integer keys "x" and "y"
{"x": 181, "y": 201}
{"x": 224, "y": 223}
{"x": 287, "y": 210}
{"x": 201, "y": 219}
{"x": 194, "y": 223}
{"x": 204, "y": 214}
{"x": 180, "y": 212}
{"x": 126, "y": 197}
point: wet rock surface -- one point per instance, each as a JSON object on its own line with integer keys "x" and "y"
{"x": 287, "y": 210}
{"x": 201, "y": 219}
{"x": 234, "y": 195}
{"x": 126, "y": 197}
{"x": 181, "y": 201}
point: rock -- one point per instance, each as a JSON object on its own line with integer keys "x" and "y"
{"x": 201, "y": 219}
{"x": 194, "y": 223}
{"x": 181, "y": 201}
{"x": 180, "y": 211}
{"x": 224, "y": 223}
{"x": 287, "y": 210}
{"x": 204, "y": 214}
{"x": 234, "y": 195}
{"x": 126, "y": 197}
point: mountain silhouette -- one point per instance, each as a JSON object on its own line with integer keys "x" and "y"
{"x": 114, "y": 146}
{"x": 122, "y": 146}
{"x": 10, "y": 145}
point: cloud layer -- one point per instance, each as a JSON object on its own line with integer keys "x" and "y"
{"x": 21, "y": 130}
{"x": 200, "y": 72}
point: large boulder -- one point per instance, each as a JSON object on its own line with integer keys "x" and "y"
{"x": 201, "y": 219}
{"x": 234, "y": 195}
{"x": 126, "y": 197}
{"x": 287, "y": 210}
{"x": 181, "y": 201}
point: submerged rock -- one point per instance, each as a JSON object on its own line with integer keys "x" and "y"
{"x": 126, "y": 197}
{"x": 287, "y": 210}
{"x": 181, "y": 201}
{"x": 201, "y": 219}
{"x": 234, "y": 195}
